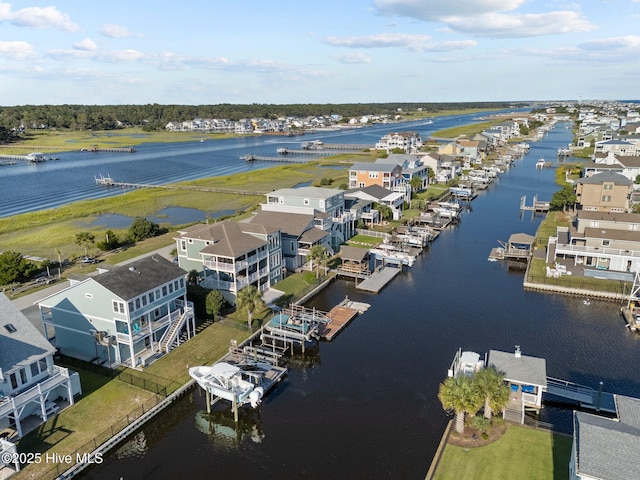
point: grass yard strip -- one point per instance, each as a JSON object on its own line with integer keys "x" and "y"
{"x": 521, "y": 453}
{"x": 79, "y": 424}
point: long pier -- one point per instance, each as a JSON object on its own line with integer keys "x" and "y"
{"x": 109, "y": 182}
{"x": 95, "y": 148}
{"x": 281, "y": 159}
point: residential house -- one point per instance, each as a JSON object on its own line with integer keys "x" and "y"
{"x": 409, "y": 142}
{"x": 387, "y": 176}
{"x": 380, "y": 195}
{"x": 299, "y": 233}
{"x": 316, "y": 201}
{"x": 445, "y": 167}
{"x": 605, "y": 244}
{"x": 123, "y": 315}
{"x": 616, "y": 146}
{"x": 606, "y": 448}
{"x": 30, "y": 383}
{"x": 604, "y": 192}
{"x": 626, "y": 165}
{"x": 527, "y": 379}
{"x": 411, "y": 166}
{"x": 230, "y": 256}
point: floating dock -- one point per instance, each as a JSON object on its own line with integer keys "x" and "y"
{"x": 378, "y": 279}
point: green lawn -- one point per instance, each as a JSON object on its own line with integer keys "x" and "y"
{"x": 521, "y": 453}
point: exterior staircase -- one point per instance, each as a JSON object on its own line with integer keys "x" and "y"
{"x": 171, "y": 337}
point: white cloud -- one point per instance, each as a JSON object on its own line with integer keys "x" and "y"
{"x": 37, "y": 17}
{"x": 614, "y": 44}
{"x": 17, "y": 50}
{"x": 87, "y": 45}
{"x": 353, "y": 58}
{"x": 488, "y": 18}
{"x": 421, "y": 43}
{"x": 116, "y": 31}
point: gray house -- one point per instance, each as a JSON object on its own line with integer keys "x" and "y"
{"x": 122, "y": 315}
{"x": 30, "y": 383}
{"x": 607, "y": 448}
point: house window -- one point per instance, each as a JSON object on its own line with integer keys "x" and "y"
{"x": 34, "y": 369}
{"x": 183, "y": 245}
{"x": 606, "y": 243}
{"x": 293, "y": 246}
{"x": 182, "y": 283}
{"x": 131, "y": 306}
{"x": 144, "y": 300}
{"x": 190, "y": 240}
{"x": 23, "y": 376}
{"x": 14, "y": 381}
{"x": 43, "y": 364}
{"x": 171, "y": 288}
{"x": 305, "y": 201}
{"x": 150, "y": 297}
{"x": 373, "y": 174}
{"x": 137, "y": 303}
{"x": 164, "y": 291}
{"x": 608, "y": 186}
{"x": 606, "y": 198}
{"x": 175, "y": 285}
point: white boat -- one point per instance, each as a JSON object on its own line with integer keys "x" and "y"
{"x": 298, "y": 324}
{"x": 391, "y": 254}
{"x": 466, "y": 363}
{"x": 282, "y": 150}
{"x": 231, "y": 382}
{"x": 540, "y": 163}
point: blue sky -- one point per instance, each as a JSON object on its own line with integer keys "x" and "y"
{"x": 329, "y": 51}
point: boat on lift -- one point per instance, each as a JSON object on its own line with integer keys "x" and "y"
{"x": 239, "y": 384}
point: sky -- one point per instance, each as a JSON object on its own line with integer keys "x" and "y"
{"x": 309, "y": 51}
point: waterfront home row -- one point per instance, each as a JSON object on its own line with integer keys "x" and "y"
{"x": 122, "y": 315}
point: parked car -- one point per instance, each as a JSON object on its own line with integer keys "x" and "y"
{"x": 88, "y": 260}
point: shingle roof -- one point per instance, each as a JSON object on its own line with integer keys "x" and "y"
{"x": 232, "y": 241}
{"x": 306, "y": 192}
{"x": 129, "y": 281}
{"x": 374, "y": 167}
{"x": 612, "y": 233}
{"x": 313, "y": 235}
{"x": 628, "y": 410}
{"x": 353, "y": 253}
{"x": 25, "y": 345}
{"x": 523, "y": 369}
{"x": 603, "y": 177}
{"x": 609, "y": 216}
{"x": 375, "y": 191}
{"x": 293, "y": 224}
{"x": 605, "y": 448}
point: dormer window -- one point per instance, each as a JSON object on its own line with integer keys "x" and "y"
{"x": 10, "y": 327}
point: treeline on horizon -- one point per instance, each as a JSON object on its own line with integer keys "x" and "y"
{"x": 155, "y": 116}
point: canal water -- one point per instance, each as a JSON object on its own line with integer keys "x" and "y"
{"x": 365, "y": 405}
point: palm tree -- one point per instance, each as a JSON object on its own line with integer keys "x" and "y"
{"x": 192, "y": 277}
{"x": 251, "y": 299}
{"x": 491, "y": 384}
{"x": 460, "y": 395}
{"x": 59, "y": 253}
{"x": 318, "y": 253}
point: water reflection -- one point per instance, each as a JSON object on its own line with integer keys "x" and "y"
{"x": 223, "y": 431}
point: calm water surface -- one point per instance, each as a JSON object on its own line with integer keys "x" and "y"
{"x": 365, "y": 405}
{"x": 29, "y": 187}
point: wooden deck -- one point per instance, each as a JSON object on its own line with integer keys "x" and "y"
{"x": 378, "y": 279}
{"x": 340, "y": 316}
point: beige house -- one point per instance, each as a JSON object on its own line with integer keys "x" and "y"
{"x": 604, "y": 192}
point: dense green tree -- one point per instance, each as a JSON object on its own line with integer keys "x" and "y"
{"x": 249, "y": 299}
{"x": 563, "y": 199}
{"x": 85, "y": 240}
{"x": 14, "y": 268}
{"x": 385, "y": 212}
{"x": 461, "y": 396}
{"x": 492, "y": 386}
{"x": 215, "y": 302}
{"x": 142, "y": 228}
{"x": 416, "y": 185}
{"x": 318, "y": 254}
{"x": 110, "y": 242}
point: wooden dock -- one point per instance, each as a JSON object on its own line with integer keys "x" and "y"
{"x": 110, "y": 182}
{"x": 95, "y": 148}
{"x": 340, "y": 316}
{"x": 378, "y": 279}
{"x": 281, "y": 159}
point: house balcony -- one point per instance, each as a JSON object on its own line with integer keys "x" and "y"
{"x": 143, "y": 331}
{"x": 58, "y": 376}
{"x": 582, "y": 250}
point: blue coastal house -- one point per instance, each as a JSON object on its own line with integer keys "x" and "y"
{"x": 123, "y": 315}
